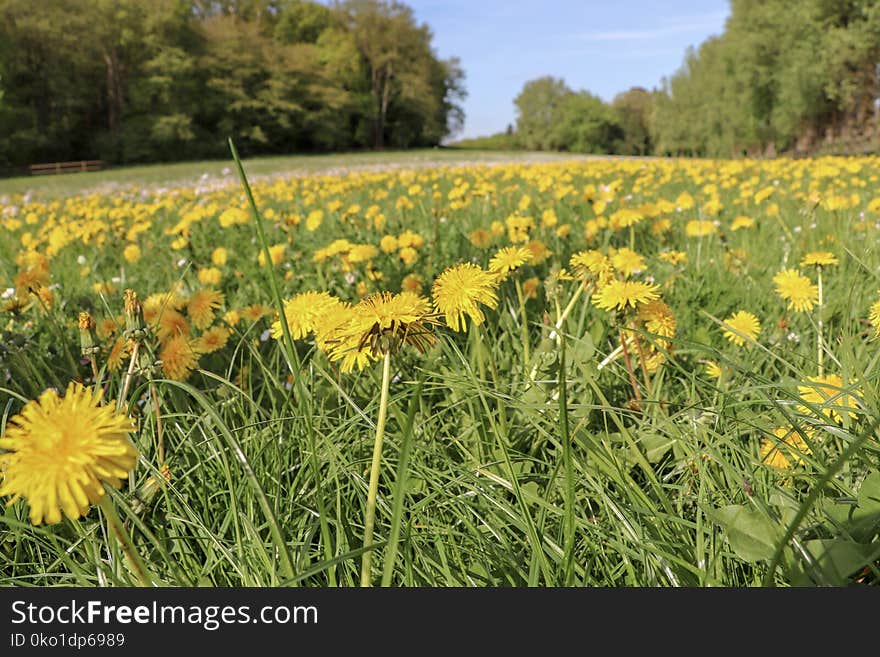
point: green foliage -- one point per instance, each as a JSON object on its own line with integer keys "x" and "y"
{"x": 782, "y": 77}
{"x": 550, "y": 116}
{"x": 501, "y": 141}
{"x": 168, "y": 80}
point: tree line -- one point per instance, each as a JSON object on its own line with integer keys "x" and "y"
{"x": 785, "y": 76}
{"x": 131, "y": 81}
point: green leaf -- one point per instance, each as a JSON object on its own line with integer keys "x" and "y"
{"x": 836, "y": 560}
{"x": 656, "y": 445}
{"x": 750, "y": 534}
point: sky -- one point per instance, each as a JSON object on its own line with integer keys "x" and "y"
{"x": 600, "y": 46}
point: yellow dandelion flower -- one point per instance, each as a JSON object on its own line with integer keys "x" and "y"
{"x": 874, "y": 318}
{"x": 179, "y": 357}
{"x": 481, "y": 238}
{"x": 408, "y": 255}
{"x": 828, "y": 392}
{"x": 214, "y": 339}
{"x": 819, "y": 259}
{"x": 412, "y": 283}
{"x": 741, "y": 326}
{"x": 697, "y": 228}
{"x": 797, "y": 289}
{"x": 590, "y": 264}
{"x": 673, "y": 257}
{"x": 61, "y": 452}
{"x": 741, "y": 222}
{"x": 132, "y": 253}
{"x": 210, "y": 276}
{"x": 362, "y": 253}
{"x": 657, "y": 318}
{"x": 713, "y": 369}
{"x": 388, "y": 244}
{"x": 303, "y": 312}
{"x": 460, "y": 290}
{"x": 201, "y": 307}
{"x": 381, "y": 324}
{"x": 627, "y": 261}
{"x": 618, "y": 295}
{"x": 276, "y": 253}
{"x": 219, "y": 256}
{"x": 118, "y": 354}
{"x": 171, "y": 323}
{"x": 255, "y": 312}
{"x": 509, "y": 259}
{"x": 530, "y": 287}
{"x": 785, "y": 446}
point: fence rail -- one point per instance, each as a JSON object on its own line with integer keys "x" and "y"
{"x": 66, "y": 167}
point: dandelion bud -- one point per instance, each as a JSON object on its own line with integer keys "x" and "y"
{"x": 135, "y": 329}
{"x": 88, "y": 343}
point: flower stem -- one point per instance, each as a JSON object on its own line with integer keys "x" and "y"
{"x": 568, "y": 309}
{"x": 128, "y": 376}
{"x": 160, "y": 444}
{"x": 644, "y": 365}
{"x": 114, "y": 524}
{"x": 370, "y": 515}
{"x": 525, "y": 322}
{"x": 819, "y": 351}
{"x": 629, "y": 368}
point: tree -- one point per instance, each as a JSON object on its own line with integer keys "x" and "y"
{"x": 537, "y": 111}
{"x": 585, "y": 124}
{"x": 633, "y": 110}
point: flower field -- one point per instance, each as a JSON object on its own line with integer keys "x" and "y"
{"x": 595, "y": 373}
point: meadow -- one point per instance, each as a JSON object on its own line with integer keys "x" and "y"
{"x": 609, "y": 372}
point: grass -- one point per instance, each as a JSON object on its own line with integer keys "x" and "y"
{"x": 514, "y": 455}
{"x": 180, "y": 174}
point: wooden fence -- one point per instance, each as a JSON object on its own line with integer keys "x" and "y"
{"x": 66, "y": 167}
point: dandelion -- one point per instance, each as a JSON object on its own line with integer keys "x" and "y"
{"x": 627, "y": 261}
{"x": 171, "y": 323}
{"x": 362, "y": 253}
{"x": 412, "y": 283}
{"x": 179, "y": 357}
{"x": 509, "y": 259}
{"x": 539, "y": 252}
{"x": 210, "y": 276}
{"x": 874, "y": 318}
{"x": 819, "y": 259}
{"x": 827, "y": 391}
{"x": 381, "y": 323}
{"x": 408, "y": 255}
{"x": 797, "y": 289}
{"x": 201, "y": 307}
{"x": 741, "y": 326}
{"x": 460, "y": 290}
{"x": 255, "y": 312}
{"x": 657, "y": 318}
{"x": 481, "y": 238}
{"x": 61, "y": 452}
{"x": 741, "y": 222}
{"x": 303, "y": 312}
{"x": 697, "y": 228}
{"x": 276, "y": 254}
{"x": 214, "y": 339}
{"x": 388, "y": 244}
{"x": 618, "y": 295}
{"x": 591, "y": 264}
{"x": 713, "y": 369}
{"x": 787, "y": 445}
{"x": 219, "y": 256}
{"x": 673, "y": 257}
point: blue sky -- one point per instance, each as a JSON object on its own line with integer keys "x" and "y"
{"x": 603, "y": 47}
